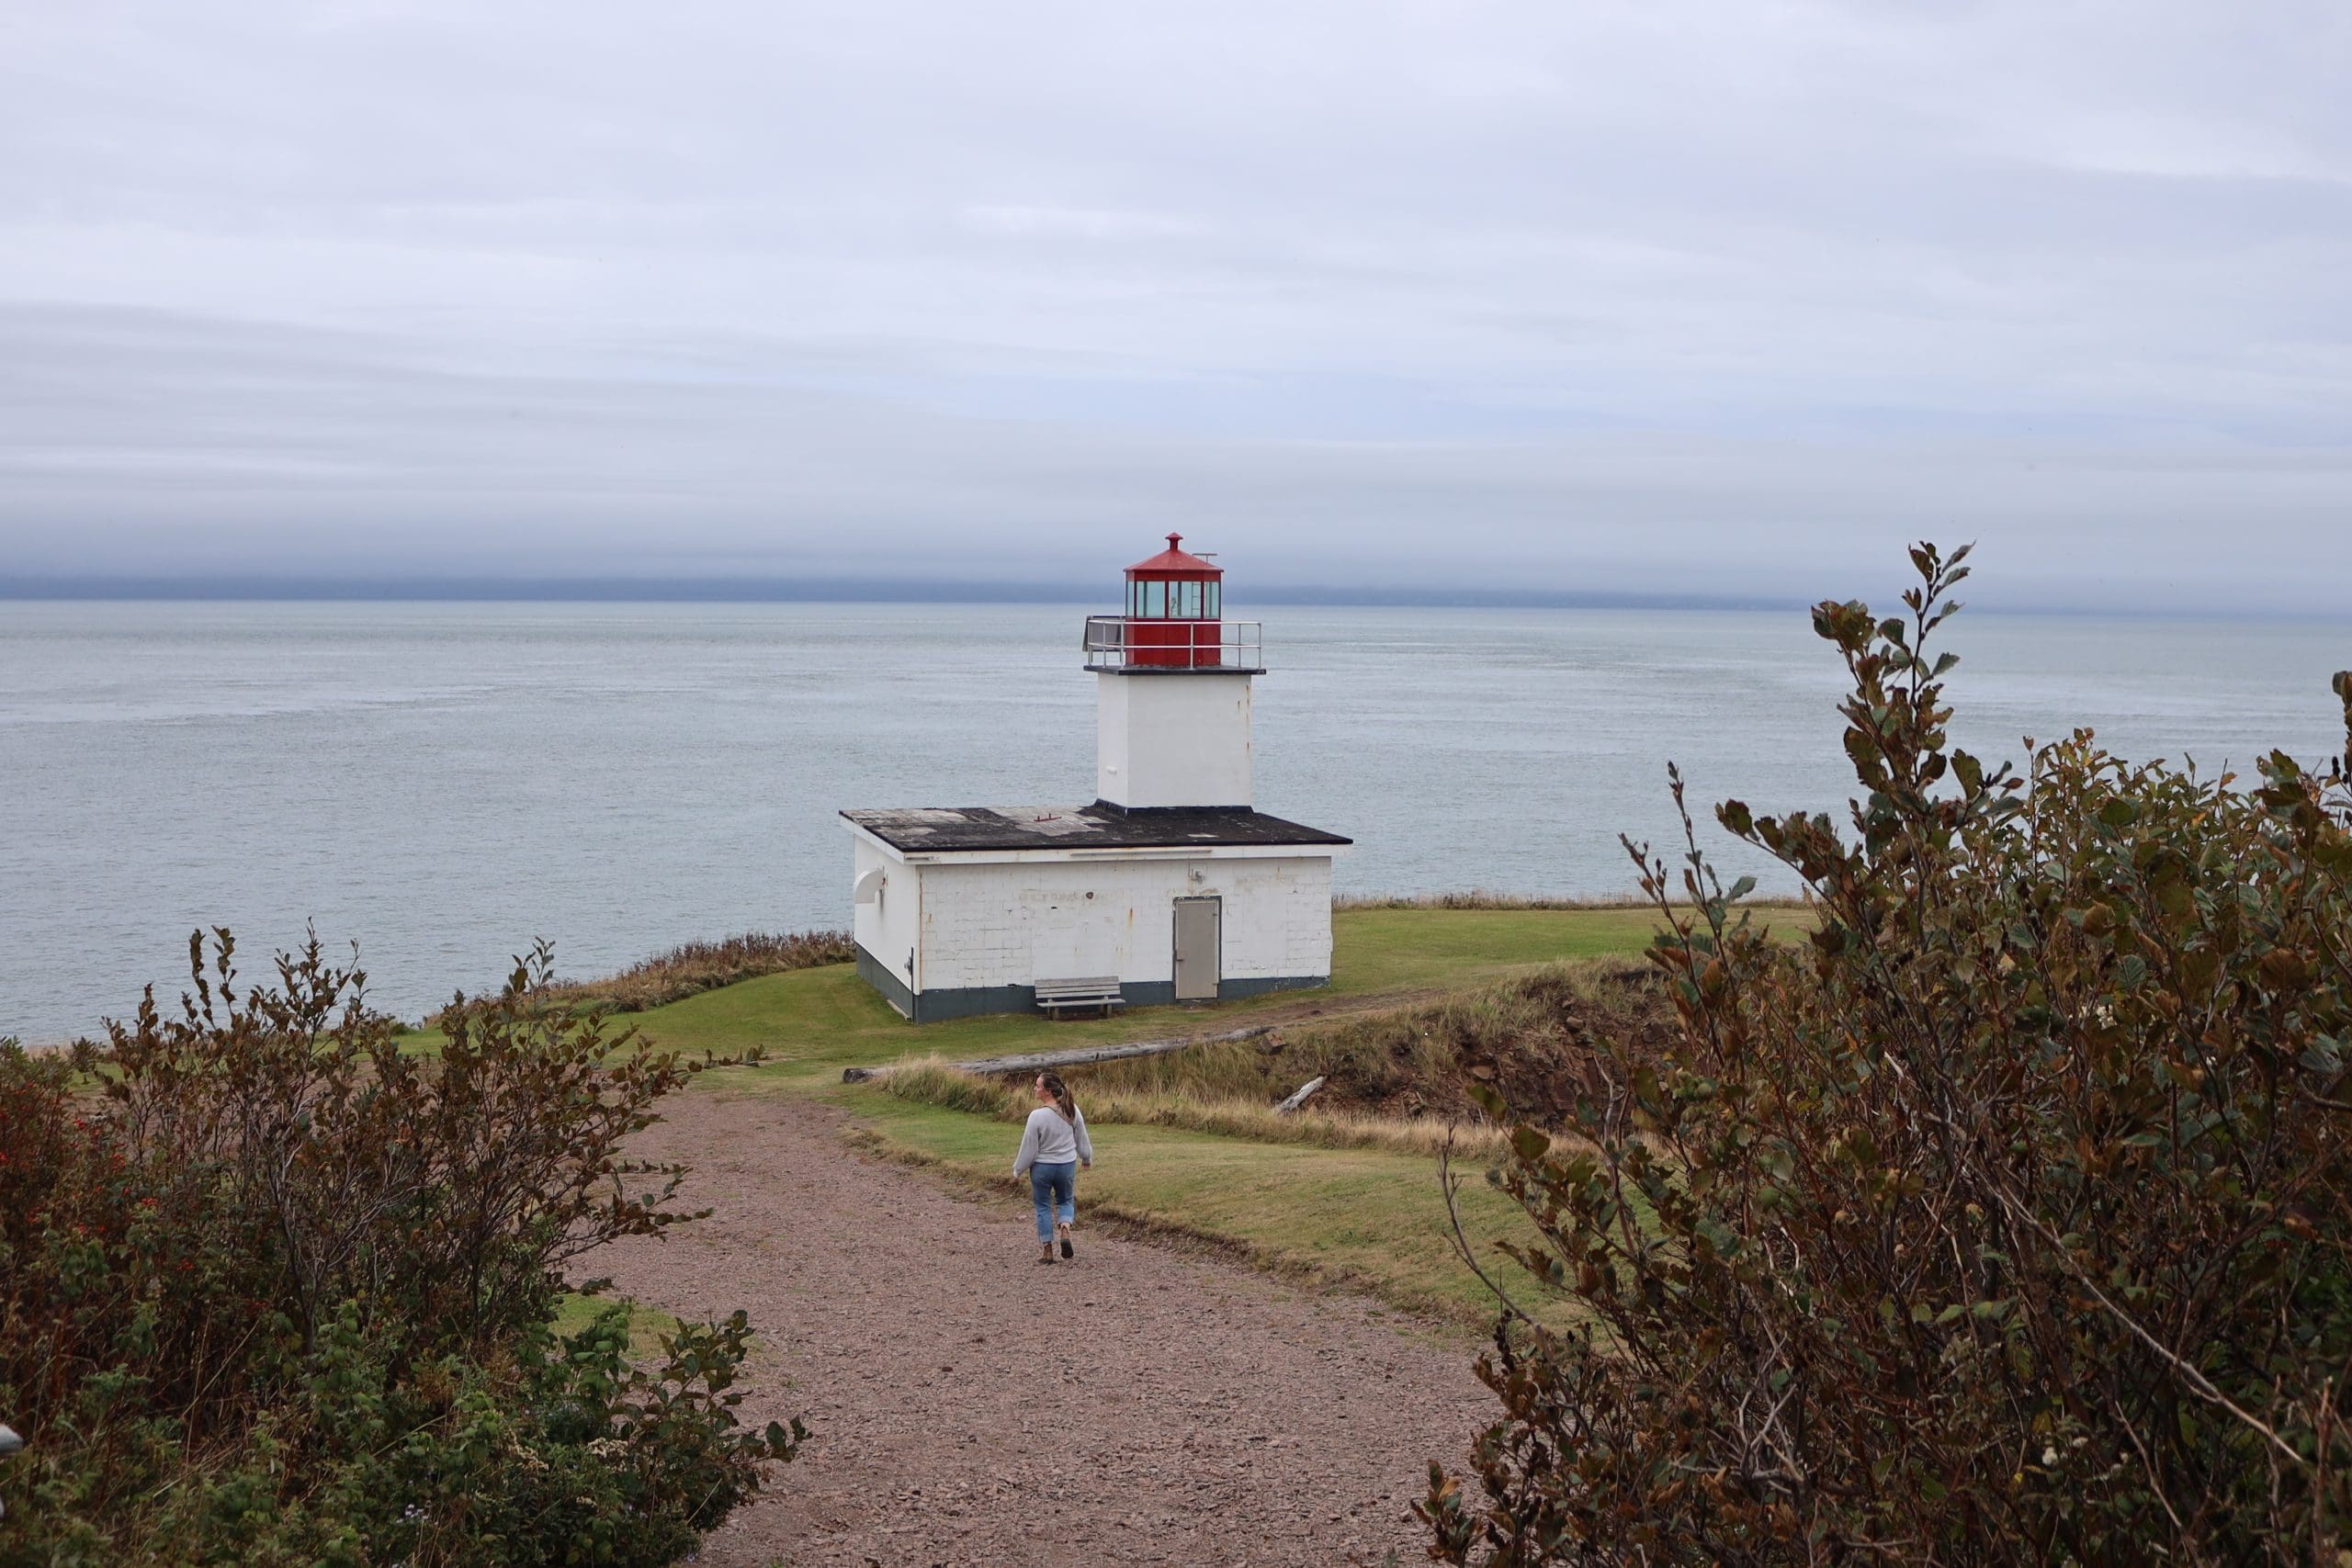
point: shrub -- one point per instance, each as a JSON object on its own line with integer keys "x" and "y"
{"x": 271, "y": 1290}
{"x": 1533, "y": 1034}
{"x": 699, "y": 967}
{"x": 2005, "y": 1220}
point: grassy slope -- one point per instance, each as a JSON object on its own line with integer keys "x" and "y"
{"x": 1359, "y": 1217}
{"x": 1348, "y": 1216}
{"x": 1365, "y": 1217}
{"x": 828, "y": 1019}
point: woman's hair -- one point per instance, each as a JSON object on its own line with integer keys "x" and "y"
{"x": 1060, "y": 1092}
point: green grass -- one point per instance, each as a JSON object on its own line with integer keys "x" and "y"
{"x": 1364, "y": 1218}
{"x": 646, "y": 1325}
{"x": 1396, "y": 948}
{"x": 828, "y": 1019}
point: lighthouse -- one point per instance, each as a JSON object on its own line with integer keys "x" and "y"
{"x": 1169, "y": 887}
{"x": 1172, "y": 694}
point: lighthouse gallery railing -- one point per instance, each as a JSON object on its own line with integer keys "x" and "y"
{"x": 1127, "y": 642}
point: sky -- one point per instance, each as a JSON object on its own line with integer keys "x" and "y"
{"x": 1717, "y": 299}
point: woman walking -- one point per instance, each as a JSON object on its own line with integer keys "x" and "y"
{"x": 1053, "y": 1145}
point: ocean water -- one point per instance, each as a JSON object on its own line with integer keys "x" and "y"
{"x": 445, "y": 783}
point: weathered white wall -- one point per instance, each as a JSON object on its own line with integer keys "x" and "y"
{"x": 888, "y": 928}
{"x": 1173, "y": 739}
{"x": 1015, "y": 924}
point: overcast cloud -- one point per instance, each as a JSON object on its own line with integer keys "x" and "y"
{"x": 1724, "y": 297}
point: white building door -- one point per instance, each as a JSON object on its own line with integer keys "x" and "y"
{"x": 1200, "y": 939}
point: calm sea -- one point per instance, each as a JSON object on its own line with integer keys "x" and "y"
{"x": 444, "y": 783}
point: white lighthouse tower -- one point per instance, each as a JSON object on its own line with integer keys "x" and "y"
{"x": 1170, "y": 886}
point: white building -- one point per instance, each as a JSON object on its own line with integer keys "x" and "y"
{"x": 1170, "y": 883}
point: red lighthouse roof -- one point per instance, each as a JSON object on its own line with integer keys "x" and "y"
{"x": 1175, "y": 562}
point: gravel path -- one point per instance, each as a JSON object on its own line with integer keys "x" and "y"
{"x": 969, "y": 1407}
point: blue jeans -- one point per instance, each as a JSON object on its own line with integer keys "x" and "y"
{"x": 1054, "y": 1187}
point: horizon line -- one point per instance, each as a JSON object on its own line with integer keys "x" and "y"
{"x": 810, "y": 591}
{"x": 100, "y": 589}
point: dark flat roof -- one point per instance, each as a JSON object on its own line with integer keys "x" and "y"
{"x": 1079, "y": 828}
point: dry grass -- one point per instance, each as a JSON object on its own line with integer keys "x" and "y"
{"x": 1400, "y": 1080}
{"x": 1478, "y": 899}
{"x": 934, "y": 1082}
{"x": 1530, "y": 1036}
{"x": 705, "y": 966}
{"x": 931, "y": 1082}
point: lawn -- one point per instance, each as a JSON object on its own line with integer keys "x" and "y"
{"x": 1393, "y": 949}
{"x": 1361, "y": 1218}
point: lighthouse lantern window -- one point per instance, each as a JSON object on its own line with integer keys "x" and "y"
{"x": 1184, "y": 599}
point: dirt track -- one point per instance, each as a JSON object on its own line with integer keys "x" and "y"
{"x": 969, "y": 1407}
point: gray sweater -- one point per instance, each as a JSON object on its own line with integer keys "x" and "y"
{"x": 1049, "y": 1140}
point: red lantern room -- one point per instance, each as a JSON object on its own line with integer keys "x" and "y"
{"x": 1173, "y": 610}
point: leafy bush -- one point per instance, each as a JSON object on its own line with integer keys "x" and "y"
{"x": 272, "y": 1291}
{"x": 2005, "y": 1220}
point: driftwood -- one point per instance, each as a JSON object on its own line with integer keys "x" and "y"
{"x": 1300, "y": 1096}
{"x": 1078, "y": 1056}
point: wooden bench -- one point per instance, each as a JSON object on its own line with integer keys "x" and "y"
{"x": 1094, "y": 991}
